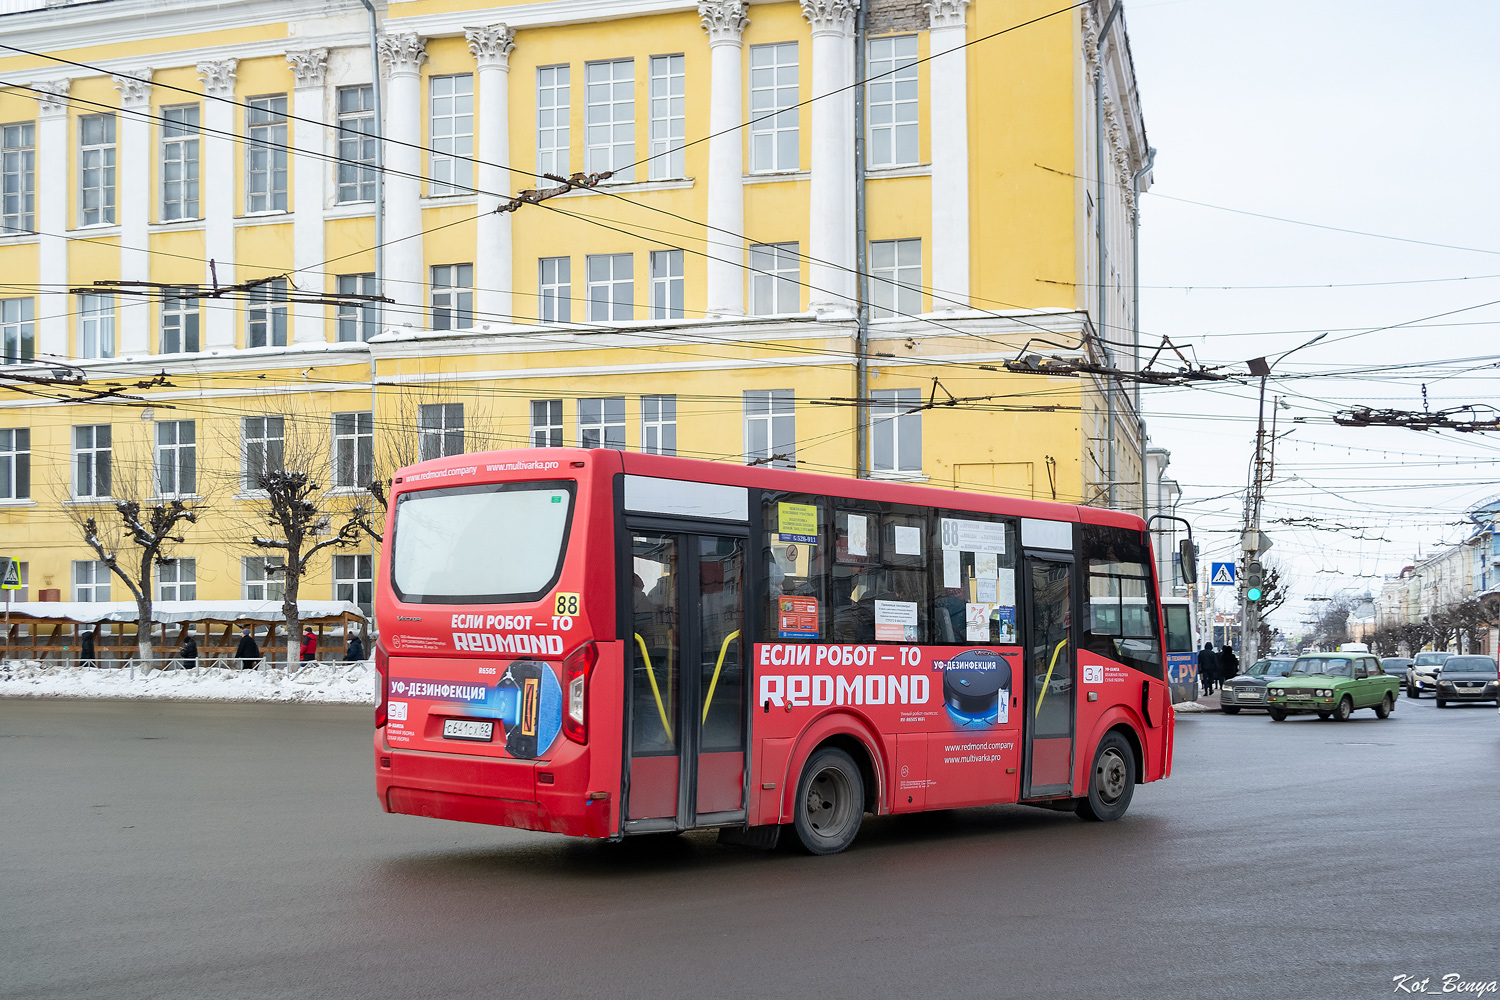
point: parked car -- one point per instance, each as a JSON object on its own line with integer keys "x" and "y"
{"x": 1423, "y": 676}
{"x": 1248, "y": 689}
{"x": 1468, "y": 678}
{"x": 1333, "y": 685}
{"x": 1398, "y": 667}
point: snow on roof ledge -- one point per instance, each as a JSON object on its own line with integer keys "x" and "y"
{"x": 177, "y": 612}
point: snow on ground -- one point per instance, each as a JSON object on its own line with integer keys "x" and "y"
{"x": 321, "y": 683}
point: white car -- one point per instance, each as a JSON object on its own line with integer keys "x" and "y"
{"x": 1423, "y": 677}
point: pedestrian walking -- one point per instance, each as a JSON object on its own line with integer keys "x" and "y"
{"x": 355, "y": 650}
{"x": 187, "y": 654}
{"x": 247, "y": 652}
{"x": 1208, "y": 667}
{"x": 1229, "y": 664}
{"x": 86, "y": 649}
{"x": 309, "y": 646}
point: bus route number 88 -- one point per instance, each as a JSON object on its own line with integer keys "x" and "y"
{"x": 566, "y": 605}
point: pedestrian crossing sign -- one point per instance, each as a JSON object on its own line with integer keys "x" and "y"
{"x": 10, "y": 574}
{"x": 1222, "y": 575}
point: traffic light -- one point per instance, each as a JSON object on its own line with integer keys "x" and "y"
{"x": 1255, "y": 581}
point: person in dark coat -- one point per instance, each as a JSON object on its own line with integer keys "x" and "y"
{"x": 86, "y": 649}
{"x": 1208, "y": 667}
{"x": 247, "y": 652}
{"x": 1229, "y": 664}
{"x": 355, "y": 650}
{"x": 188, "y": 654}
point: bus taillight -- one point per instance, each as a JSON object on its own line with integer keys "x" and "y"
{"x": 383, "y": 667}
{"x": 576, "y": 670}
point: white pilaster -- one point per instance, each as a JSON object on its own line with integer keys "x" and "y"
{"x": 725, "y": 21}
{"x": 949, "y": 78}
{"x": 309, "y": 322}
{"x": 217, "y": 192}
{"x": 493, "y": 266}
{"x": 831, "y": 211}
{"x": 52, "y": 219}
{"x": 402, "y": 56}
{"x": 133, "y": 203}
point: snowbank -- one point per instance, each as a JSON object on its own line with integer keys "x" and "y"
{"x": 321, "y": 683}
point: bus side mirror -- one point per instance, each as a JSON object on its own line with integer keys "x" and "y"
{"x": 1189, "y": 560}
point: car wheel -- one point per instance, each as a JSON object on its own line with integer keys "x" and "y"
{"x": 1344, "y": 710}
{"x": 1278, "y": 715}
{"x": 1386, "y": 707}
{"x": 1412, "y": 692}
{"x": 1325, "y": 716}
{"x": 830, "y": 802}
{"x": 1231, "y": 709}
{"x": 1442, "y": 703}
{"x": 1112, "y": 782}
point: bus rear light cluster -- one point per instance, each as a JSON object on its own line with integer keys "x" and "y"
{"x": 576, "y": 669}
{"x": 382, "y": 667}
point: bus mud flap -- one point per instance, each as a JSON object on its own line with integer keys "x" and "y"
{"x": 764, "y": 837}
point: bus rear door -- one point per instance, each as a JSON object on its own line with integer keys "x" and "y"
{"x": 1048, "y": 741}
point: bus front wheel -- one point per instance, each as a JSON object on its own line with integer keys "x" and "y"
{"x": 1112, "y": 781}
{"x": 830, "y": 802}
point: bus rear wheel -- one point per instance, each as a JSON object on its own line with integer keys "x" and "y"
{"x": 1111, "y": 782}
{"x": 830, "y": 802}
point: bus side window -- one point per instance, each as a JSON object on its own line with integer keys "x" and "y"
{"x": 878, "y": 586}
{"x": 796, "y": 533}
{"x": 1121, "y": 599}
{"x": 973, "y": 579}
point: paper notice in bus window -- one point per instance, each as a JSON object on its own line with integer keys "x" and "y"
{"x": 797, "y": 521}
{"x": 797, "y": 617}
{"x": 895, "y": 621}
{"x": 859, "y": 540}
{"x": 790, "y": 554}
{"x": 986, "y": 565}
{"x": 1007, "y": 621}
{"x": 1006, "y": 593}
{"x": 908, "y": 540}
{"x": 973, "y": 536}
{"x": 977, "y": 616}
{"x": 986, "y": 590}
{"x": 952, "y": 566}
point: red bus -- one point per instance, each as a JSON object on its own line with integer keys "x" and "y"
{"x": 599, "y": 643}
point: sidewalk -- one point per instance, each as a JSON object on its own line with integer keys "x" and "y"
{"x": 319, "y": 683}
{"x": 1204, "y": 703}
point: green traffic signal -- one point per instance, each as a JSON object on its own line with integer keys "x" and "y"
{"x": 1253, "y": 594}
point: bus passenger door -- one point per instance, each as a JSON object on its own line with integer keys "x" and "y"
{"x": 686, "y": 683}
{"x": 1049, "y": 674}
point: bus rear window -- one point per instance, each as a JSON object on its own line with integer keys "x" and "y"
{"x": 499, "y": 544}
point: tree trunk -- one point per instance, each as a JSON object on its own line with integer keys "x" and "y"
{"x": 143, "y": 625}
{"x": 291, "y": 613}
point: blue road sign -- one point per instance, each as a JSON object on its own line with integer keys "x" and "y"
{"x": 1222, "y": 575}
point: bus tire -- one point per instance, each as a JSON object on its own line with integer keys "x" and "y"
{"x": 1111, "y": 781}
{"x": 830, "y": 802}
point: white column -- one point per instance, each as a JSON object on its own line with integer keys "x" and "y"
{"x": 494, "y": 272}
{"x": 217, "y": 192}
{"x": 309, "y": 322}
{"x": 133, "y": 203}
{"x": 402, "y": 56}
{"x": 949, "y": 84}
{"x": 725, "y": 21}
{"x": 831, "y": 212}
{"x": 52, "y": 219}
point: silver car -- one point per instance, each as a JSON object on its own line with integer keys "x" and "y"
{"x": 1248, "y": 689}
{"x": 1423, "y": 676}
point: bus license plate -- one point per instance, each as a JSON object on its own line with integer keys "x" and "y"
{"x": 468, "y": 729}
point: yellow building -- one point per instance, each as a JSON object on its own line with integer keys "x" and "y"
{"x": 216, "y": 166}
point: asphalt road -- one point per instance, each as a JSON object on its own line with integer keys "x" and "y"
{"x": 227, "y": 851}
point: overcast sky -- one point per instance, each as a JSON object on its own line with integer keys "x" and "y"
{"x": 1375, "y": 117}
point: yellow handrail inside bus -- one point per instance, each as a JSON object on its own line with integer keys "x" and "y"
{"x": 655, "y": 690}
{"x": 1046, "y": 683}
{"x": 717, "y": 667}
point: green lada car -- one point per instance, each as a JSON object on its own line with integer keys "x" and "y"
{"x": 1333, "y": 685}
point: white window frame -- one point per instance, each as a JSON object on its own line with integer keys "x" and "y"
{"x": 659, "y": 424}
{"x": 453, "y": 297}
{"x": 96, "y": 326}
{"x": 18, "y": 177}
{"x": 93, "y": 455}
{"x": 554, "y": 93}
{"x": 266, "y": 315}
{"x": 896, "y": 422}
{"x": 180, "y": 323}
{"x": 256, "y": 583}
{"x": 15, "y": 463}
{"x": 440, "y": 430}
{"x": 353, "y": 449}
{"x": 555, "y": 289}
{"x": 601, "y": 422}
{"x": 356, "y": 322}
{"x": 265, "y": 154}
{"x": 666, "y": 284}
{"x": 546, "y": 423}
{"x": 609, "y": 129}
{"x": 610, "y": 286}
{"x": 774, "y": 113}
{"x": 354, "y": 178}
{"x": 771, "y": 427}
{"x": 891, "y": 107}
{"x": 91, "y": 581}
{"x": 895, "y": 278}
{"x": 667, "y": 126}
{"x": 96, "y": 170}
{"x": 17, "y": 330}
{"x": 451, "y": 132}
{"x": 176, "y": 458}
{"x": 179, "y": 155}
{"x": 775, "y": 279}
{"x": 177, "y": 580}
{"x": 262, "y": 448}
{"x": 353, "y": 578}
